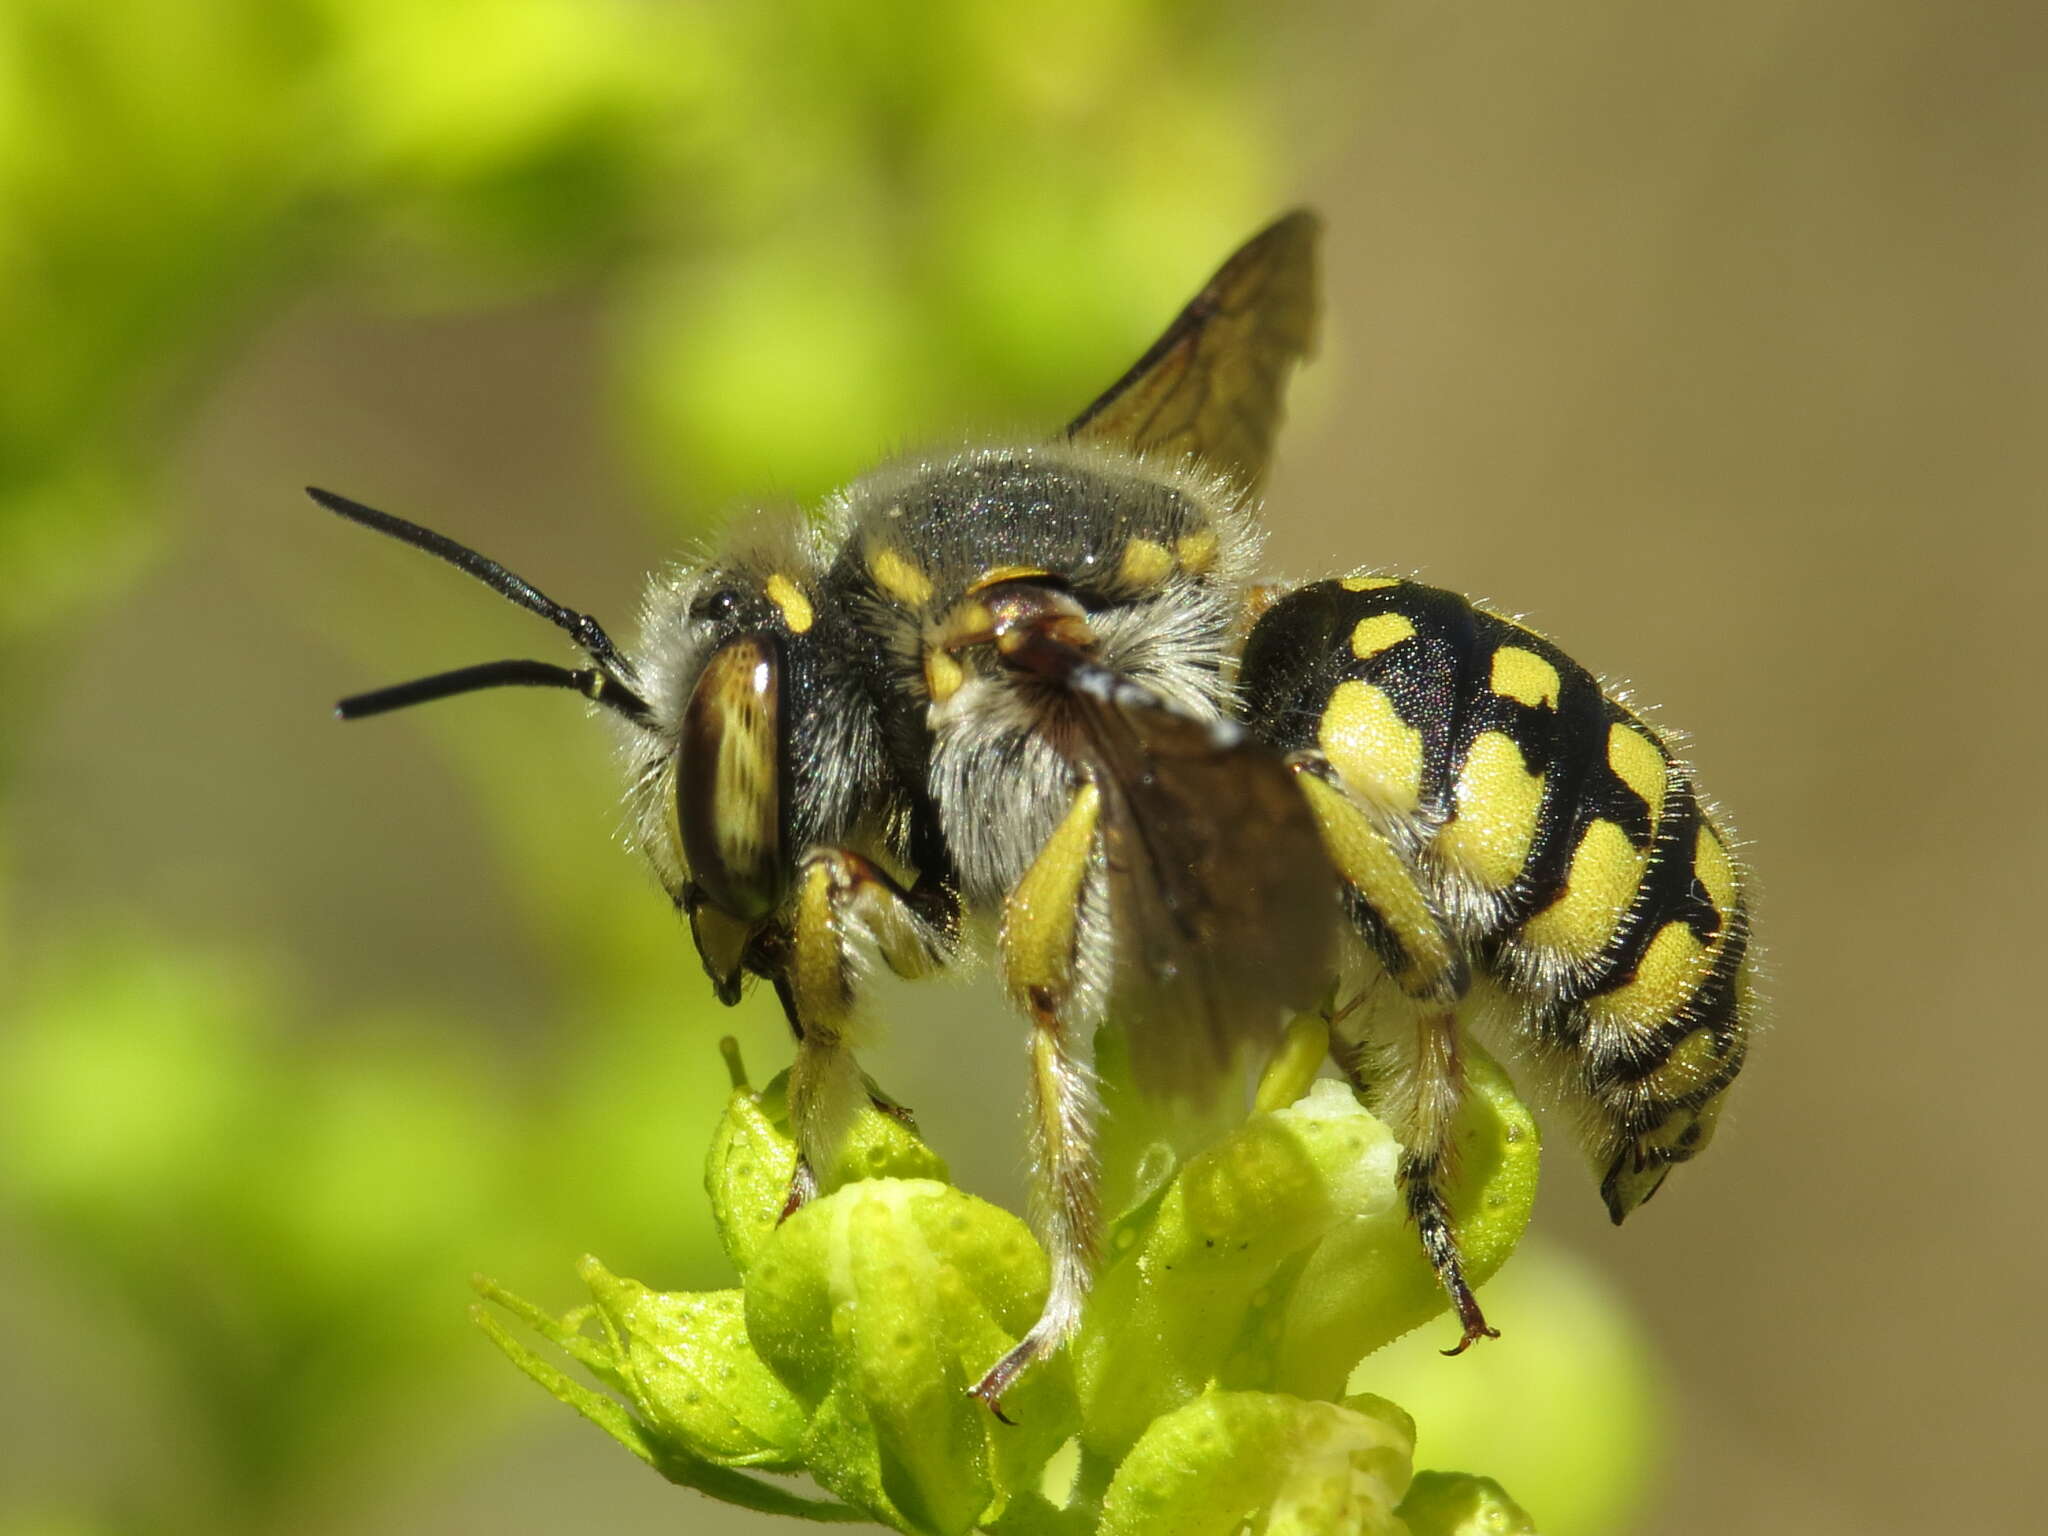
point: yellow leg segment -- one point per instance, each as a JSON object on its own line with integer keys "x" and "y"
{"x": 1404, "y": 927}
{"x": 1412, "y": 1073}
{"x": 841, "y": 901}
{"x": 1041, "y": 929}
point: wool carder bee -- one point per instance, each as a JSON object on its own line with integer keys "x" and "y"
{"x": 1035, "y": 684}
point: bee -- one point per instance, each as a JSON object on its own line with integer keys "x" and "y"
{"x": 1034, "y": 685}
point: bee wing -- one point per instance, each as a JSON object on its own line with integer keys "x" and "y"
{"x": 1222, "y": 900}
{"x": 1211, "y": 385}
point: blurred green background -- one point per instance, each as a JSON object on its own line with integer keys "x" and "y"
{"x": 1710, "y": 339}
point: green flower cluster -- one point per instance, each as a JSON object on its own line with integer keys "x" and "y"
{"x": 1205, "y": 1393}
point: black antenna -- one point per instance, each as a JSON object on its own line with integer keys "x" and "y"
{"x": 609, "y": 683}
{"x": 589, "y": 682}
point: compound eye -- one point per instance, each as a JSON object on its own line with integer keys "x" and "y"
{"x": 729, "y": 779}
{"x": 718, "y": 604}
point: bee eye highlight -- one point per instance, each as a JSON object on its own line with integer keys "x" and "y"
{"x": 729, "y": 797}
{"x": 716, "y": 605}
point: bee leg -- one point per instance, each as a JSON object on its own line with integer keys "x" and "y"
{"x": 1418, "y": 1085}
{"x": 1041, "y": 930}
{"x": 843, "y": 903}
{"x": 894, "y": 1108}
{"x": 1419, "y": 1093}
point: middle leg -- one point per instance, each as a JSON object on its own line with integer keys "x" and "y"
{"x": 1043, "y": 928}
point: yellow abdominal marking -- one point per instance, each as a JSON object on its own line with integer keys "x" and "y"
{"x": 1196, "y": 551}
{"x": 1606, "y": 869}
{"x": 1523, "y": 675}
{"x": 1638, "y": 764}
{"x": 1691, "y": 1063}
{"x": 788, "y": 596}
{"x": 898, "y": 577}
{"x": 1375, "y": 751}
{"x": 1498, "y": 801}
{"x": 1040, "y": 915}
{"x": 1368, "y": 583}
{"x": 1716, "y": 870}
{"x": 1674, "y": 1127}
{"x": 1381, "y": 632}
{"x": 1145, "y": 564}
{"x": 1670, "y": 969}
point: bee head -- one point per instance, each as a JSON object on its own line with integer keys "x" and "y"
{"x": 762, "y": 741}
{"x": 730, "y": 647}
{"x": 704, "y": 710}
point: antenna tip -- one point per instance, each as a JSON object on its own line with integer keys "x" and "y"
{"x": 335, "y": 502}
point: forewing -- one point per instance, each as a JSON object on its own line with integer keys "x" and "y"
{"x": 1211, "y": 386}
{"x": 1222, "y": 901}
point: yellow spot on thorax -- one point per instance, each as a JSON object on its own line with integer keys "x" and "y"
{"x": 1638, "y": 764}
{"x": 1375, "y": 751}
{"x": 1605, "y": 872}
{"x": 898, "y": 576}
{"x": 789, "y": 597}
{"x": 1197, "y": 551}
{"x": 1498, "y": 802}
{"x": 943, "y": 674}
{"x": 1523, "y": 675}
{"x": 1144, "y": 564}
{"x": 1381, "y": 632}
{"x": 1368, "y": 583}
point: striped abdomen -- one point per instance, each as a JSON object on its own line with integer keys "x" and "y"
{"x": 1560, "y": 843}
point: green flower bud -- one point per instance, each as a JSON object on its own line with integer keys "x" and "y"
{"x": 1201, "y": 1395}
{"x": 1189, "y": 1299}
{"x": 753, "y": 1155}
{"x": 684, "y": 1362}
{"x": 1283, "y": 1255}
{"x": 739, "y": 1414}
{"x": 879, "y": 1306}
{"x": 1457, "y": 1504}
{"x": 1273, "y": 1465}
{"x": 1368, "y": 1282}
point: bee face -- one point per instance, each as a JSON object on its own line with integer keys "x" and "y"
{"x": 1030, "y": 682}
{"x": 762, "y": 739}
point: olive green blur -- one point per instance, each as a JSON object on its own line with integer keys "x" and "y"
{"x": 1708, "y": 339}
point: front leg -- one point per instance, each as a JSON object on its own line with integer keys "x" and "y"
{"x": 1042, "y": 931}
{"x": 842, "y": 907}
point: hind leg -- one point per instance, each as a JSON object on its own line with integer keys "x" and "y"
{"x": 1414, "y": 1078}
{"x": 1409, "y": 1068}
